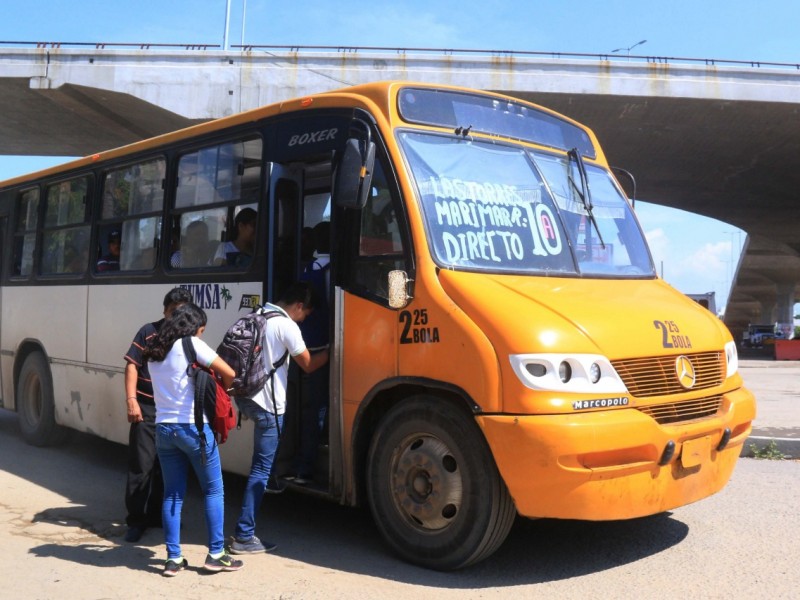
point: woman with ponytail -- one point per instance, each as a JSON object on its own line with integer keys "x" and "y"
{"x": 178, "y": 439}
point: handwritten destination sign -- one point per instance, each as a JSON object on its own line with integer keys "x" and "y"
{"x": 486, "y": 206}
{"x": 492, "y": 222}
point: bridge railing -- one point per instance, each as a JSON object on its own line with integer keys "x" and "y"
{"x": 104, "y": 45}
{"x": 405, "y": 50}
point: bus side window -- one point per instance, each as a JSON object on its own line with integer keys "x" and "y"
{"x": 380, "y": 242}
{"x": 225, "y": 172}
{"x": 227, "y": 178}
{"x": 25, "y": 232}
{"x": 65, "y": 236}
{"x": 130, "y": 229}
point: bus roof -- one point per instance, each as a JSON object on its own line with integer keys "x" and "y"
{"x": 380, "y": 93}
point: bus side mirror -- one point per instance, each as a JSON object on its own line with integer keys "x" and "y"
{"x": 630, "y": 192}
{"x": 353, "y": 176}
{"x": 398, "y": 289}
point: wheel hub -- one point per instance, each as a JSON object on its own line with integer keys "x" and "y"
{"x": 426, "y": 482}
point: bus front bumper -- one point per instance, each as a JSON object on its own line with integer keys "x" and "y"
{"x": 615, "y": 464}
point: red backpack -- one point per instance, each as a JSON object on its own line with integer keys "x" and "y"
{"x": 209, "y": 397}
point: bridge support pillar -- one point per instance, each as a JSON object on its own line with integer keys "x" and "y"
{"x": 767, "y": 306}
{"x": 785, "y": 308}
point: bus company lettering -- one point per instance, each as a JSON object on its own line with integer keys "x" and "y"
{"x": 323, "y": 135}
{"x": 209, "y": 295}
{"x": 600, "y": 403}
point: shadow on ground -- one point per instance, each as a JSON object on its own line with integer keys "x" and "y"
{"x": 89, "y": 474}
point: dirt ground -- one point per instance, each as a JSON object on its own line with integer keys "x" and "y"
{"x": 62, "y": 526}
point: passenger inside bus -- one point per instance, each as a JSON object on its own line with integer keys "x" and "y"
{"x": 315, "y": 330}
{"x": 306, "y": 245}
{"x": 195, "y": 250}
{"x": 110, "y": 260}
{"x": 77, "y": 258}
{"x": 238, "y": 251}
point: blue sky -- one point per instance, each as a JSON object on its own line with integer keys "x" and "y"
{"x": 694, "y": 254}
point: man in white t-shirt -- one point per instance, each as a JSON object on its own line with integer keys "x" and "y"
{"x": 282, "y": 335}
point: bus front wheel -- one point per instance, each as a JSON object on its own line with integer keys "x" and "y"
{"x": 433, "y": 487}
{"x": 35, "y": 403}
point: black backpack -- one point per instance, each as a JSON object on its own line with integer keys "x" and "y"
{"x": 242, "y": 348}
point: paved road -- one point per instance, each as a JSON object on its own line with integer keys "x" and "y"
{"x": 776, "y": 385}
{"x": 61, "y": 530}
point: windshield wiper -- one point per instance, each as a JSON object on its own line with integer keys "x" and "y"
{"x": 583, "y": 192}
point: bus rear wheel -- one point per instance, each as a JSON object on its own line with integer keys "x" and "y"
{"x": 434, "y": 490}
{"x": 35, "y": 403}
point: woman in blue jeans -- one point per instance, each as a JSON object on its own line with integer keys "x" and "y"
{"x": 178, "y": 440}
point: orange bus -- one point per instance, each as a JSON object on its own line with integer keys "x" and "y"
{"x": 501, "y": 343}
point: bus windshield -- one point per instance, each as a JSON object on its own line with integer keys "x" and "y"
{"x": 602, "y": 229}
{"x": 488, "y": 207}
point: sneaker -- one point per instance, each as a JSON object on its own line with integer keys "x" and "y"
{"x": 134, "y": 534}
{"x": 223, "y": 563}
{"x": 297, "y": 478}
{"x": 251, "y": 546}
{"x": 172, "y": 566}
{"x": 274, "y": 486}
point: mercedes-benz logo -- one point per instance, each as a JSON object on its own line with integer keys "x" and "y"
{"x": 684, "y": 369}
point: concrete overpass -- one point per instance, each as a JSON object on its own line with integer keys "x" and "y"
{"x": 716, "y": 138}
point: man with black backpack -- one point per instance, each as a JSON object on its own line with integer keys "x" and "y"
{"x": 282, "y": 338}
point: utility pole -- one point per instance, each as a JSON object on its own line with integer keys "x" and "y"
{"x": 244, "y": 15}
{"x": 227, "y": 24}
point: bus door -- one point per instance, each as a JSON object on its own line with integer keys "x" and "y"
{"x": 3, "y": 225}
{"x": 301, "y": 233}
{"x": 374, "y": 241}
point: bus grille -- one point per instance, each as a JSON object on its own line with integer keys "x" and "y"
{"x": 677, "y": 412}
{"x": 656, "y": 376}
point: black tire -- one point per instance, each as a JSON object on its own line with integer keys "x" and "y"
{"x": 35, "y": 404}
{"x": 433, "y": 487}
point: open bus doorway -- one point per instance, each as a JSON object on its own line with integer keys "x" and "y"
{"x": 302, "y": 193}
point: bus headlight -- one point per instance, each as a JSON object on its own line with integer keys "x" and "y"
{"x": 731, "y": 359}
{"x": 594, "y": 373}
{"x": 564, "y": 371}
{"x": 579, "y": 373}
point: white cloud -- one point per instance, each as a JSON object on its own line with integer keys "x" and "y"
{"x": 709, "y": 260}
{"x": 700, "y": 269}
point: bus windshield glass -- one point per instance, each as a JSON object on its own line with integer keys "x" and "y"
{"x": 488, "y": 208}
{"x": 602, "y": 228}
{"x": 463, "y": 112}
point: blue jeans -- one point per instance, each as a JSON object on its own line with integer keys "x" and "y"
{"x": 178, "y": 446}
{"x": 265, "y": 446}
